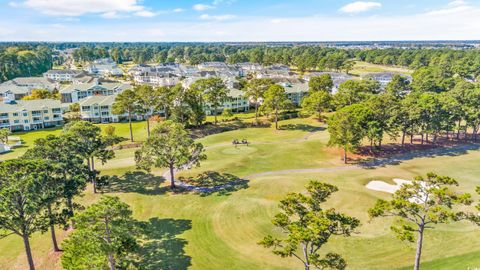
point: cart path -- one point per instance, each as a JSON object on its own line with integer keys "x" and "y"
{"x": 394, "y": 160}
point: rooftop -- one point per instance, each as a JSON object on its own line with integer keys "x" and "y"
{"x": 29, "y": 105}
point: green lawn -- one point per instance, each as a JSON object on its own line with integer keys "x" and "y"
{"x": 361, "y": 68}
{"x": 28, "y": 138}
{"x": 220, "y": 231}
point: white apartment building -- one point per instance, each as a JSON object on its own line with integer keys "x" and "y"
{"x": 76, "y": 92}
{"x": 63, "y": 75}
{"x": 30, "y": 114}
{"x": 98, "y": 109}
{"x": 157, "y": 78}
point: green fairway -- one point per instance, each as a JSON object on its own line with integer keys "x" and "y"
{"x": 221, "y": 231}
{"x": 361, "y": 68}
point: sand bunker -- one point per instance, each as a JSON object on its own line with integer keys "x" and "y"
{"x": 385, "y": 187}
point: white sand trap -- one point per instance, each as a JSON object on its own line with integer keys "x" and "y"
{"x": 385, "y": 187}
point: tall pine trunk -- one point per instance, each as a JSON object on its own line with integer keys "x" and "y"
{"x": 94, "y": 177}
{"x": 111, "y": 258}
{"x": 172, "y": 177}
{"x": 403, "y": 138}
{"x": 148, "y": 125}
{"x": 28, "y": 251}
{"x": 130, "y": 125}
{"x": 276, "y": 119}
{"x": 345, "y": 155}
{"x": 70, "y": 208}
{"x": 418, "y": 254}
{"x": 52, "y": 228}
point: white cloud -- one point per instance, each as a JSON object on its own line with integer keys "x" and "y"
{"x": 178, "y": 10}
{"x": 360, "y": 6}
{"x": 110, "y": 15}
{"x": 74, "y": 8}
{"x": 202, "y": 7}
{"x": 453, "y": 7}
{"x": 217, "y": 17}
{"x": 145, "y": 13}
{"x": 462, "y": 25}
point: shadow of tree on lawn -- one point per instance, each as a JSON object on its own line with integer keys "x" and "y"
{"x": 302, "y": 127}
{"x": 210, "y": 182}
{"x": 160, "y": 246}
{"x": 138, "y": 182}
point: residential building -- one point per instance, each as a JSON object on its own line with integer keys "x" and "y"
{"x": 104, "y": 67}
{"x": 383, "y": 77}
{"x": 236, "y": 102}
{"x": 30, "y": 114}
{"x": 249, "y": 67}
{"x": 212, "y": 66}
{"x": 77, "y": 92}
{"x": 337, "y": 78}
{"x": 34, "y": 83}
{"x": 63, "y": 75}
{"x": 296, "y": 92}
{"x": 12, "y": 91}
{"x": 157, "y": 78}
{"x": 98, "y": 109}
{"x": 275, "y": 71}
{"x": 221, "y": 69}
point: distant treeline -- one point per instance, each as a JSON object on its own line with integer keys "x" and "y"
{"x": 463, "y": 62}
{"x": 21, "y": 61}
{"x": 25, "y": 60}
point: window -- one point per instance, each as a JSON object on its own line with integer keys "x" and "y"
{"x": 56, "y": 110}
{"x": 86, "y": 108}
{"x": 25, "y": 121}
{"x": 25, "y": 114}
{"x": 16, "y": 121}
{"x": 45, "y": 111}
{"x": 15, "y": 114}
{"x": 4, "y": 115}
{"x": 46, "y": 118}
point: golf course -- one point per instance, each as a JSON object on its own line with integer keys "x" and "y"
{"x": 220, "y": 229}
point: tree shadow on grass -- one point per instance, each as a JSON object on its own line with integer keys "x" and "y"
{"x": 160, "y": 247}
{"x": 138, "y": 182}
{"x": 210, "y": 182}
{"x": 302, "y": 127}
{"x": 452, "y": 151}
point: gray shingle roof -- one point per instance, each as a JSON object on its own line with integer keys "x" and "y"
{"x": 99, "y": 100}
{"x": 29, "y": 105}
{"x": 90, "y": 86}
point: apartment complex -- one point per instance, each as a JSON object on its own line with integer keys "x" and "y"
{"x": 63, "y": 75}
{"x": 30, "y": 114}
{"x": 98, "y": 109}
{"x": 76, "y": 92}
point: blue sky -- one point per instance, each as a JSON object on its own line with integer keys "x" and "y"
{"x": 238, "y": 20}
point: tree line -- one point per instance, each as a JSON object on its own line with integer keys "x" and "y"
{"x": 464, "y": 62}
{"x": 24, "y": 61}
{"x": 430, "y": 107}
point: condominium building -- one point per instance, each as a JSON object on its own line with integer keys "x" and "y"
{"x": 76, "y": 92}
{"x": 98, "y": 109}
{"x": 63, "y": 75}
{"x": 30, "y": 114}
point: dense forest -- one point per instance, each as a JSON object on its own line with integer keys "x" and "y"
{"x": 20, "y": 61}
